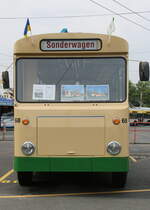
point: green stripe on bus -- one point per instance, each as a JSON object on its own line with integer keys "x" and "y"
{"x": 69, "y": 164}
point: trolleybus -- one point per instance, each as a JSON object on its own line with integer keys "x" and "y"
{"x": 71, "y": 105}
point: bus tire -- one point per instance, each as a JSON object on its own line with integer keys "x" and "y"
{"x": 25, "y": 178}
{"x": 119, "y": 179}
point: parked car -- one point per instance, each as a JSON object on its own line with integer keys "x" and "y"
{"x": 7, "y": 120}
{"x": 147, "y": 123}
{"x": 134, "y": 123}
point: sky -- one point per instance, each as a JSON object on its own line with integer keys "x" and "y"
{"x": 91, "y": 16}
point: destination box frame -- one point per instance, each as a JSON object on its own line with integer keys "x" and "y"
{"x": 97, "y": 41}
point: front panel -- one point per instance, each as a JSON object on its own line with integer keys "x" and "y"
{"x": 70, "y": 135}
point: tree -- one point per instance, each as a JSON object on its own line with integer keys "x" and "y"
{"x": 139, "y": 94}
{"x": 133, "y": 95}
{"x": 143, "y": 89}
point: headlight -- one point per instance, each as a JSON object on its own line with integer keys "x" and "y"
{"x": 28, "y": 148}
{"x": 114, "y": 148}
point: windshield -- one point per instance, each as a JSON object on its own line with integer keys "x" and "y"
{"x": 70, "y": 79}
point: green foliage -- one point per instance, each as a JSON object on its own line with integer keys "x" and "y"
{"x": 139, "y": 94}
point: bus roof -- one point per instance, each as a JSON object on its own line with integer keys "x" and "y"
{"x": 109, "y": 45}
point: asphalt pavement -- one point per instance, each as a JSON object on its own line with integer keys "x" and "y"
{"x": 72, "y": 192}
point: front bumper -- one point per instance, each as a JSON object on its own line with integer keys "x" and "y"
{"x": 72, "y": 164}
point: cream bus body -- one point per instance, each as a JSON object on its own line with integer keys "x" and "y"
{"x": 71, "y": 135}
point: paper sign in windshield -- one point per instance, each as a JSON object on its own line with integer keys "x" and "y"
{"x": 72, "y": 92}
{"x": 43, "y": 92}
{"x": 97, "y": 92}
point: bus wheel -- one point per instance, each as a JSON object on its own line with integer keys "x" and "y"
{"x": 25, "y": 178}
{"x": 119, "y": 179}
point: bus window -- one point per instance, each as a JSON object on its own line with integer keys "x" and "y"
{"x": 106, "y": 76}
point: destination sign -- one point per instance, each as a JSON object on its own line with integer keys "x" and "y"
{"x": 70, "y": 45}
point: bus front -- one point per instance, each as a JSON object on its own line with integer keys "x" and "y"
{"x": 71, "y": 107}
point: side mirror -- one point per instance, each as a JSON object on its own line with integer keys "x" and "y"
{"x": 5, "y": 79}
{"x": 144, "y": 71}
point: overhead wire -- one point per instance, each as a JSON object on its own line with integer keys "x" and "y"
{"x": 75, "y": 16}
{"x": 8, "y": 66}
{"x": 115, "y": 13}
{"x": 95, "y": 15}
{"x": 3, "y": 65}
{"x": 6, "y": 55}
{"x": 134, "y": 12}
